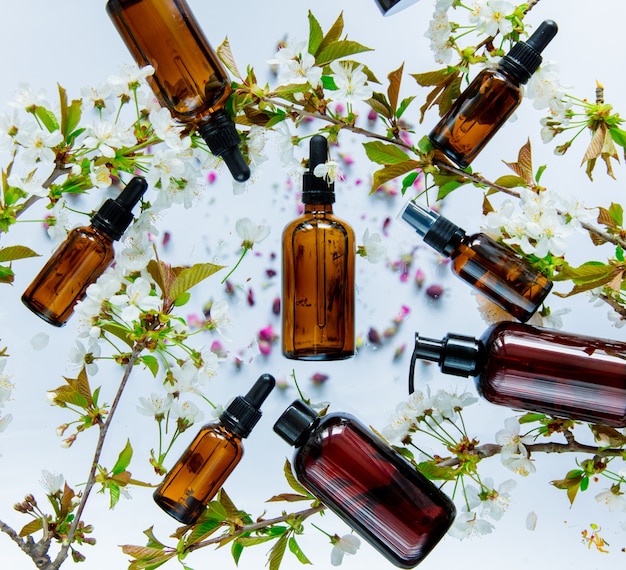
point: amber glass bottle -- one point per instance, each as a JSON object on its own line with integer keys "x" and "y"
{"x": 188, "y": 79}
{"x": 82, "y": 258}
{"x": 492, "y": 268}
{"x": 538, "y": 369}
{"x": 318, "y": 273}
{"x": 379, "y": 494}
{"x": 217, "y": 449}
{"x": 489, "y": 100}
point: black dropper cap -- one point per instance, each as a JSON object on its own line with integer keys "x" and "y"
{"x": 390, "y": 7}
{"x": 115, "y": 215}
{"x": 243, "y": 413}
{"x": 223, "y": 140}
{"x": 294, "y": 425}
{"x": 438, "y": 232}
{"x": 525, "y": 57}
{"x": 315, "y": 189}
{"x": 456, "y": 354}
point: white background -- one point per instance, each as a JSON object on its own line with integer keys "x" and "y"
{"x": 72, "y": 42}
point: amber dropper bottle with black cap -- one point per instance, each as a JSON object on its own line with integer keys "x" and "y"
{"x": 492, "y": 268}
{"x": 82, "y": 258}
{"x": 188, "y": 77}
{"x": 318, "y": 273}
{"x": 365, "y": 482}
{"x": 537, "y": 369}
{"x": 212, "y": 456}
{"x": 490, "y": 99}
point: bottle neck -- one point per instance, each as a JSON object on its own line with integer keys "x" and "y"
{"x": 318, "y": 208}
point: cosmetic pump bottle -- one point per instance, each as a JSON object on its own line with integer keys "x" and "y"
{"x": 188, "y": 77}
{"x": 212, "y": 456}
{"x": 537, "y": 369}
{"x": 371, "y": 487}
{"x": 492, "y": 268}
{"x": 84, "y": 255}
{"x": 318, "y": 258}
{"x": 489, "y": 100}
{"x": 390, "y": 7}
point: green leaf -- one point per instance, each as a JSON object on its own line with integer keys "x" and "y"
{"x": 183, "y": 299}
{"x": 337, "y": 50}
{"x": 391, "y": 171}
{"x": 293, "y": 482}
{"x": 277, "y": 553}
{"x": 617, "y": 214}
{"x": 328, "y": 82}
{"x": 153, "y": 541}
{"x": 540, "y": 172}
{"x": 118, "y": 331}
{"x": 114, "y": 491}
{"x": 288, "y": 497}
{"x": 31, "y": 528}
{"x": 619, "y": 253}
{"x": 618, "y": 135}
{"x": 13, "y": 252}
{"x": 226, "y": 55}
{"x": 408, "y": 181}
{"x": 448, "y": 188}
{"x": 331, "y": 36}
{"x": 382, "y": 153}
{"x": 436, "y": 472}
{"x": 6, "y": 275}
{"x": 393, "y": 91}
{"x": 403, "y": 105}
{"x": 511, "y": 181}
{"x": 531, "y": 417}
{"x": 316, "y": 35}
{"x": 70, "y": 114}
{"x": 203, "y": 530}
{"x": 151, "y": 363}
{"x": 123, "y": 460}
{"x": 378, "y": 102}
{"x": 191, "y": 276}
{"x": 295, "y": 549}
{"x": 47, "y": 118}
{"x": 425, "y": 145}
{"x": 253, "y": 540}
{"x": 588, "y": 272}
{"x": 236, "y": 550}
{"x": 431, "y": 78}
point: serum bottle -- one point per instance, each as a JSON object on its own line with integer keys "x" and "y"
{"x": 217, "y": 449}
{"x": 188, "y": 79}
{"x": 490, "y": 99}
{"x": 359, "y": 477}
{"x": 537, "y": 369}
{"x": 491, "y": 268}
{"x": 318, "y": 273}
{"x": 82, "y": 258}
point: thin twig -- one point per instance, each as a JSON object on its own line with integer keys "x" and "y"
{"x": 37, "y": 551}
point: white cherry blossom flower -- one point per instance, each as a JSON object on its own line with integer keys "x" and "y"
{"x": 10, "y": 125}
{"x": 187, "y": 412}
{"x": 136, "y": 300}
{"x": 492, "y": 502}
{"x": 329, "y": 170}
{"x": 157, "y": 405}
{"x": 469, "y": 524}
{"x": 81, "y": 356}
{"x": 100, "y": 176}
{"x": 52, "y": 483}
{"x": 6, "y": 387}
{"x": 168, "y": 130}
{"x": 40, "y": 341}
{"x": 97, "y": 96}
{"x": 613, "y": 498}
{"x": 165, "y": 165}
{"x": 219, "y": 316}
{"x": 347, "y": 544}
{"x": 489, "y": 16}
{"x": 296, "y": 65}
{"x": 439, "y": 32}
{"x": 26, "y": 98}
{"x": 183, "y": 379}
{"x": 31, "y": 185}
{"x": 510, "y": 440}
{"x": 106, "y": 137}
{"x": 449, "y": 404}
{"x": 351, "y": 82}
{"x": 250, "y": 232}
{"x": 373, "y": 248}
{"x": 130, "y": 78}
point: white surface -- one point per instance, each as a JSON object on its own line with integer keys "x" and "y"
{"x": 72, "y": 42}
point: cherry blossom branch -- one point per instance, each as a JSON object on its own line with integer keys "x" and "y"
{"x": 37, "y": 551}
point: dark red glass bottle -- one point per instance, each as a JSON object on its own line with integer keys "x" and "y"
{"x": 379, "y": 494}
{"x": 538, "y": 369}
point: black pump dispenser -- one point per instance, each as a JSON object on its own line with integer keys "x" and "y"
{"x": 525, "y": 57}
{"x": 222, "y": 138}
{"x": 115, "y": 215}
{"x": 456, "y": 354}
{"x": 243, "y": 413}
{"x": 315, "y": 189}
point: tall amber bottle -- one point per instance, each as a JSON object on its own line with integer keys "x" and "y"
{"x": 492, "y": 268}
{"x": 82, "y": 258}
{"x": 188, "y": 79}
{"x": 490, "y": 99}
{"x": 537, "y": 369}
{"x": 365, "y": 482}
{"x": 318, "y": 273}
{"x": 217, "y": 449}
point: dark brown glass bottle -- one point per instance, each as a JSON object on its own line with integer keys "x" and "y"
{"x": 188, "y": 79}
{"x": 538, "y": 369}
{"x": 81, "y": 258}
{"x": 359, "y": 477}
{"x": 489, "y": 100}
{"x": 492, "y": 268}
{"x": 318, "y": 273}
{"x": 217, "y": 449}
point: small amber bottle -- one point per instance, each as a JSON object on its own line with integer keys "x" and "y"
{"x": 371, "y": 487}
{"x": 489, "y": 100}
{"x": 82, "y": 258}
{"x": 537, "y": 369}
{"x": 492, "y": 268}
{"x": 188, "y": 79}
{"x": 217, "y": 449}
{"x": 318, "y": 273}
